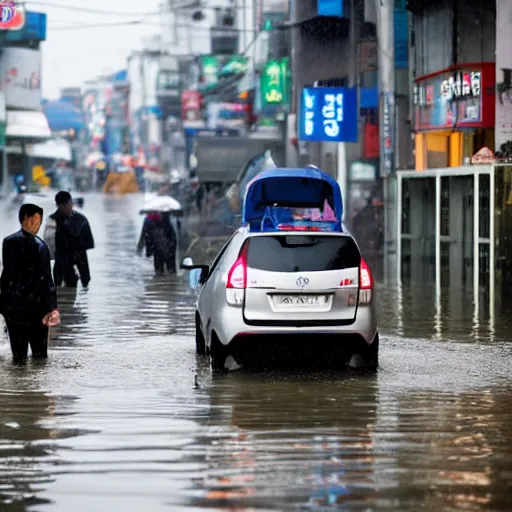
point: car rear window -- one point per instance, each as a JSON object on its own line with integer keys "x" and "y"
{"x": 302, "y": 253}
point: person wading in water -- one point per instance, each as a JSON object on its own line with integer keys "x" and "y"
{"x": 159, "y": 239}
{"x": 69, "y": 236}
{"x": 28, "y": 299}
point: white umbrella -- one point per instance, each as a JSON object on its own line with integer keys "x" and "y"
{"x": 162, "y": 204}
{"x": 92, "y": 158}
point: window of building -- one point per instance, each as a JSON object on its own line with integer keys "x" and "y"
{"x": 169, "y": 80}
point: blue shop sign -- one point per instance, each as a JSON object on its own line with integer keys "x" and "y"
{"x": 34, "y": 29}
{"x": 328, "y": 114}
{"x": 330, "y": 7}
{"x": 401, "y": 39}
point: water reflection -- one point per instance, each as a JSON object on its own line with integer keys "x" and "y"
{"x": 293, "y": 440}
{"x": 74, "y": 309}
{"x": 443, "y": 314}
{"x": 29, "y": 426}
{"x": 164, "y": 305}
{"x": 21, "y": 452}
{"x": 445, "y": 454}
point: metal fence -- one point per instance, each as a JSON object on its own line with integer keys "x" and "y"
{"x": 445, "y": 227}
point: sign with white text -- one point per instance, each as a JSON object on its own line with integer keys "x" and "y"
{"x": 328, "y": 114}
{"x": 20, "y": 72}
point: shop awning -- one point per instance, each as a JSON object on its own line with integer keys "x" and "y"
{"x": 63, "y": 116}
{"x": 27, "y": 124}
{"x": 54, "y": 149}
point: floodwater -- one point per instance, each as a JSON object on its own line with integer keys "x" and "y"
{"x": 114, "y": 420}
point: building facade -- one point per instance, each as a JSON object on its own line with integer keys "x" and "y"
{"x": 20, "y": 76}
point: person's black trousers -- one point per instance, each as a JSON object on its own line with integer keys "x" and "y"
{"x": 162, "y": 262}
{"x": 64, "y": 271}
{"x": 23, "y": 335}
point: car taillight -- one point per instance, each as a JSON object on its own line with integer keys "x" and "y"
{"x": 365, "y": 283}
{"x": 365, "y": 276}
{"x": 237, "y": 279}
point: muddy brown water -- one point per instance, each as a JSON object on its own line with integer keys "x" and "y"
{"x": 113, "y": 421}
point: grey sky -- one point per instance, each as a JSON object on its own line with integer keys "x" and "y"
{"x": 72, "y": 56}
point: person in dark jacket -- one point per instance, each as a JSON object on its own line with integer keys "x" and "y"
{"x": 159, "y": 238}
{"x": 73, "y": 238}
{"x": 28, "y": 299}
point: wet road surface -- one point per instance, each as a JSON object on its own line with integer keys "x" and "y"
{"x": 113, "y": 421}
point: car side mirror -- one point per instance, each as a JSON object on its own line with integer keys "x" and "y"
{"x": 198, "y": 276}
{"x": 187, "y": 263}
{"x": 199, "y": 273}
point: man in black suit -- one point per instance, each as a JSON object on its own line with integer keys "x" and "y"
{"x": 73, "y": 238}
{"x": 28, "y": 299}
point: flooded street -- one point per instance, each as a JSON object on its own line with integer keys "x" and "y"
{"x": 114, "y": 420}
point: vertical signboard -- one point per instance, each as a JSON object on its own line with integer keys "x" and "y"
{"x": 503, "y": 131}
{"x": 388, "y": 123}
{"x": 209, "y": 70}
{"x": 3, "y": 119}
{"x": 401, "y": 38}
{"x": 273, "y": 82}
{"x": 328, "y": 114}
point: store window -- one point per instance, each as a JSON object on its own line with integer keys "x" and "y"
{"x": 168, "y": 80}
{"x": 474, "y": 141}
{"x": 437, "y": 151}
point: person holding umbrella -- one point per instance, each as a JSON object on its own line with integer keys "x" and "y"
{"x": 159, "y": 238}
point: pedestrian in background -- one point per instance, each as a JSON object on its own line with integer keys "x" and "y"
{"x": 159, "y": 238}
{"x": 69, "y": 235}
{"x": 28, "y": 299}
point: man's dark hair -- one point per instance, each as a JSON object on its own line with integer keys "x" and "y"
{"x": 29, "y": 210}
{"x": 63, "y": 197}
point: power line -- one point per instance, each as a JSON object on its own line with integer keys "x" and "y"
{"x": 142, "y": 22}
{"x": 105, "y": 25}
{"x": 101, "y": 11}
{"x": 91, "y": 11}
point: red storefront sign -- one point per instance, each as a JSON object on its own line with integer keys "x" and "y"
{"x": 458, "y": 97}
{"x": 371, "y": 141}
{"x": 191, "y": 105}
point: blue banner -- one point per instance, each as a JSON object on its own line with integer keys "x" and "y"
{"x": 369, "y": 97}
{"x": 401, "y": 39}
{"x": 330, "y": 7}
{"x": 328, "y": 114}
{"x": 34, "y": 29}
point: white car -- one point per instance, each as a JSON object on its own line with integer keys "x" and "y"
{"x": 288, "y": 280}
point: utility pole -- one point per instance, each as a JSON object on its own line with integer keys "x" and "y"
{"x": 386, "y": 49}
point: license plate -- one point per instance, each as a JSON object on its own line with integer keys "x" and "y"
{"x": 286, "y": 301}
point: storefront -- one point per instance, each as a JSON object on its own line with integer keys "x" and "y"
{"x": 20, "y": 71}
{"x": 454, "y": 114}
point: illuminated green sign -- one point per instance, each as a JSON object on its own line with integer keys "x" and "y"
{"x": 274, "y": 83}
{"x": 235, "y": 66}
{"x": 209, "y": 70}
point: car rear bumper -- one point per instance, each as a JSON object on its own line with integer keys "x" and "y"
{"x": 231, "y": 325}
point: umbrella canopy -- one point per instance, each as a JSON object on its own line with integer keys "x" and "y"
{"x": 94, "y": 157}
{"x": 161, "y": 204}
